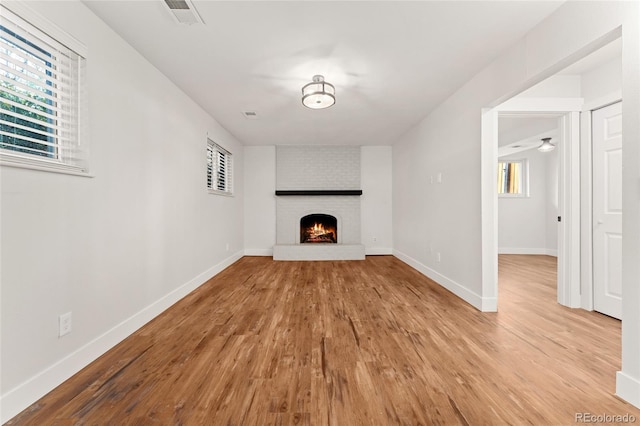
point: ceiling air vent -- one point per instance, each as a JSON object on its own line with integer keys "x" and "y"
{"x": 183, "y": 12}
{"x": 250, "y": 115}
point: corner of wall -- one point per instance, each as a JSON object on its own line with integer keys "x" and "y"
{"x": 628, "y": 388}
{"x": 475, "y": 300}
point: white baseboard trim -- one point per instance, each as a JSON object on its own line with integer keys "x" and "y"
{"x": 489, "y": 304}
{"x": 628, "y": 388}
{"x": 19, "y": 398}
{"x": 475, "y": 300}
{"x": 258, "y": 252}
{"x": 377, "y": 251}
{"x": 536, "y": 251}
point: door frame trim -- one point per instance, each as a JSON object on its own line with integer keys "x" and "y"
{"x": 569, "y": 206}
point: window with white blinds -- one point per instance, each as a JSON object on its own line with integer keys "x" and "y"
{"x": 41, "y": 98}
{"x": 219, "y": 169}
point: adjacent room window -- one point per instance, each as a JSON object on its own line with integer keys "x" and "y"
{"x": 512, "y": 178}
{"x": 40, "y": 97}
{"x": 219, "y": 169}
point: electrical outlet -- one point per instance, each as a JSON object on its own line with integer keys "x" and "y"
{"x": 375, "y": 239}
{"x": 227, "y": 246}
{"x": 439, "y": 178}
{"x": 64, "y": 324}
{"x": 438, "y": 257}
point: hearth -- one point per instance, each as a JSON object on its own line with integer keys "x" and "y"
{"x": 318, "y": 228}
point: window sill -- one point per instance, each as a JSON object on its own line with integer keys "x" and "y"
{"x": 216, "y": 192}
{"x": 514, "y": 196}
{"x": 10, "y": 160}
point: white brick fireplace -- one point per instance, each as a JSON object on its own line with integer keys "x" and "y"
{"x": 310, "y": 170}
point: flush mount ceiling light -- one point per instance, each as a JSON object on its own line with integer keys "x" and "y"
{"x": 546, "y": 146}
{"x": 318, "y": 94}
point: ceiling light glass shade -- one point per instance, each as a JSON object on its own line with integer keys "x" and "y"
{"x": 318, "y": 94}
{"x": 546, "y": 146}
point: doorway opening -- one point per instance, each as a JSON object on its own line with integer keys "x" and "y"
{"x": 528, "y": 188}
{"x": 569, "y": 96}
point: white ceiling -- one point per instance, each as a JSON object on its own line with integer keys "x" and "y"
{"x": 392, "y": 62}
{"x": 521, "y": 132}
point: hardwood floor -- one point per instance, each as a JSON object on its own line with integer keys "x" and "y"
{"x": 351, "y": 343}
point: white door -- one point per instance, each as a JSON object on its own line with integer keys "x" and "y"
{"x": 607, "y": 210}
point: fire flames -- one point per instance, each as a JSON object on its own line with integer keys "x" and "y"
{"x": 319, "y": 234}
{"x": 317, "y": 230}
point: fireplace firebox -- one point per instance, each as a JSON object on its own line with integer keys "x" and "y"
{"x": 318, "y": 228}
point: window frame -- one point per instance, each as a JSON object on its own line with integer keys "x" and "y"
{"x": 524, "y": 178}
{"x": 215, "y": 169}
{"x": 38, "y": 32}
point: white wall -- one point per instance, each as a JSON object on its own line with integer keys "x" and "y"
{"x": 523, "y": 221}
{"x": 116, "y": 249}
{"x": 602, "y": 82}
{"x": 375, "y": 203}
{"x": 557, "y": 86}
{"x": 448, "y": 217}
{"x": 260, "y": 200}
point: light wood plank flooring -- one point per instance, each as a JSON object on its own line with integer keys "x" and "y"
{"x": 351, "y": 343}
